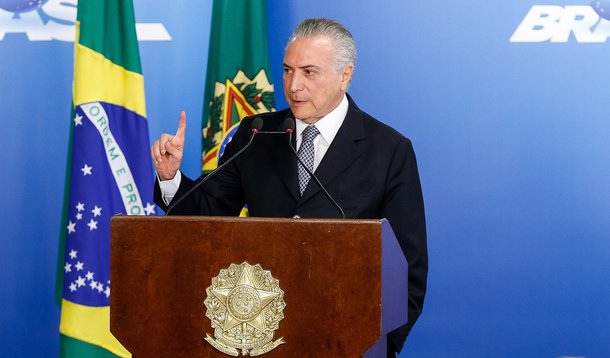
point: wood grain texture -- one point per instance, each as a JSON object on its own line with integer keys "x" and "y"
{"x": 329, "y": 270}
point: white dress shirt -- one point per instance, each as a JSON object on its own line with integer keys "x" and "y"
{"x": 328, "y": 126}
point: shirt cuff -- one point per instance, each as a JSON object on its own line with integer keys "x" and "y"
{"x": 169, "y": 187}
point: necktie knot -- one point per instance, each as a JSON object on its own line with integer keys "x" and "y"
{"x": 310, "y": 133}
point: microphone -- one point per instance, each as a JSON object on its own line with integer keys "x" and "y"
{"x": 256, "y": 126}
{"x": 289, "y": 126}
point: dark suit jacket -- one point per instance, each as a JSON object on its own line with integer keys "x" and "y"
{"x": 369, "y": 169}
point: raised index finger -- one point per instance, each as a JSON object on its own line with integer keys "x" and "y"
{"x": 181, "y": 125}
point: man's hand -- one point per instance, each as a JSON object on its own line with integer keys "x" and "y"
{"x": 167, "y": 151}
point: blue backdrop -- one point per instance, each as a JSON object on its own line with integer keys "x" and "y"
{"x": 510, "y": 133}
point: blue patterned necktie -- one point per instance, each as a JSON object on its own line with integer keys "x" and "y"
{"x": 306, "y": 154}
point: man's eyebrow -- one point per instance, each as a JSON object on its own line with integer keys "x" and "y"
{"x": 302, "y": 67}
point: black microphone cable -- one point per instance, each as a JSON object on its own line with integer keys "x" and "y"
{"x": 257, "y": 124}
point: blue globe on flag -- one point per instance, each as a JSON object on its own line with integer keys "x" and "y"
{"x": 601, "y": 7}
{"x": 19, "y": 6}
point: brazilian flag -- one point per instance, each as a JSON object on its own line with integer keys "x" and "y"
{"x": 238, "y": 78}
{"x": 109, "y": 171}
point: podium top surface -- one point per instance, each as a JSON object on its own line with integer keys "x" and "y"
{"x": 137, "y": 218}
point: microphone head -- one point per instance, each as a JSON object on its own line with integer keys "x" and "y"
{"x": 289, "y": 125}
{"x": 257, "y": 124}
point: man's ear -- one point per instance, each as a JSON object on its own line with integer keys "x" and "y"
{"x": 346, "y": 76}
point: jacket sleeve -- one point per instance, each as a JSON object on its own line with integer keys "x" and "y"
{"x": 404, "y": 208}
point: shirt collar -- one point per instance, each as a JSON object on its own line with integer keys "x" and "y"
{"x": 329, "y": 124}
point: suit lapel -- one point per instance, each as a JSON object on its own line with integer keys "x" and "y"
{"x": 342, "y": 151}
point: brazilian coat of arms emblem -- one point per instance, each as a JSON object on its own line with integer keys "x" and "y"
{"x": 233, "y": 100}
{"x": 245, "y": 306}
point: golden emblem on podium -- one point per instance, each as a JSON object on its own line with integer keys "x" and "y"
{"x": 245, "y": 304}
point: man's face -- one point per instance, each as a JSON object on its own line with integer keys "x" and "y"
{"x": 312, "y": 86}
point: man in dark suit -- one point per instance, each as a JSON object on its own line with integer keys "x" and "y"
{"x": 368, "y": 167}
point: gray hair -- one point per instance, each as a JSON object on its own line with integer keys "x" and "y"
{"x": 340, "y": 36}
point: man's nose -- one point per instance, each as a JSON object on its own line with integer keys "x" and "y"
{"x": 296, "y": 83}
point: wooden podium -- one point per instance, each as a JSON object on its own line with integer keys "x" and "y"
{"x": 344, "y": 282}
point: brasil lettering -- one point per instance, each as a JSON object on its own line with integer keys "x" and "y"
{"x": 118, "y": 164}
{"x": 556, "y": 23}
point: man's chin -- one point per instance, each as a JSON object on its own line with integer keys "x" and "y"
{"x": 298, "y": 112}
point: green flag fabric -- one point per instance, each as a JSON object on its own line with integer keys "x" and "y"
{"x": 238, "y": 78}
{"x": 109, "y": 171}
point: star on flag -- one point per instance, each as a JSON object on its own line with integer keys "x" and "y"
{"x": 149, "y": 209}
{"x": 80, "y": 281}
{"x": 86, "y": 170}
{"x": 78, "y": 120}
{"x": 71, "y": 227}
{"x": 92, "y": 225}
{"x": 96, "y": 211}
